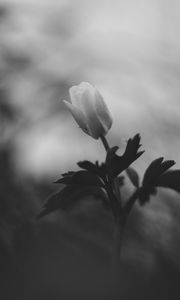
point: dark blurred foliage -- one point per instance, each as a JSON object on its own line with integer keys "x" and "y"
{"x": 67, "y": 255}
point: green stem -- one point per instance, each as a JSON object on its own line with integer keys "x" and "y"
{"x": 112, "y": 187}
{"x": 117, "y": 238}
{"x": 105, "y": 143}
{"x": 130, "y": 203}
{"x": 115, "y": 197}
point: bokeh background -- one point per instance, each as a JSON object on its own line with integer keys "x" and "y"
{"x": 130, "y": 50}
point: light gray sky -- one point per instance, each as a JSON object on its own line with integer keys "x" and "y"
{"x": 128, "y": 49}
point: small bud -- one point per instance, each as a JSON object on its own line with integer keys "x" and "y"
{"x": 89, "y": 110}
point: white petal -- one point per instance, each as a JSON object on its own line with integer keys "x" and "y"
{"x": 90, "y": 113}
{"x": 78, "y": 116}
{"x": 91, "y": 104}
{"x": 77, "y": 94}
{"x": 103, "y": 111}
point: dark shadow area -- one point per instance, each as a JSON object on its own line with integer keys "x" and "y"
{"x": 67, "y": 255}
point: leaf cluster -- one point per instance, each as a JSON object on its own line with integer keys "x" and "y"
{"x": 98, "y": 179}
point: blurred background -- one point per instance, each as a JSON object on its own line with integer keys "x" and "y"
{"x": 130, "y": 50}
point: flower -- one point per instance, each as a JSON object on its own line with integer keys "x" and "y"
{"x": 89, "y": 110}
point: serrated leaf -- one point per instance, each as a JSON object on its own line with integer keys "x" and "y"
{"x": 151, "y": 170}
{"x": 170, "y": 179}
{"x": 81, "y": 178}
{"x": 145, "y": 194}
{"x": 66, "y": 177}
{"x": 154, "y": 177}
{"x": 116, "y": 164}
{"x": 156, "y": 169}
{"x": 69, "y": 197}
{"x": 167, "y": 164}
{"x": 111, "y": 153}
{"x": 87, "y": 165}
{"x": 68, "y": 174}
{"x": 133, "y": 176}
{"x": 133, "y": 145}
{"x": 97, "y": 169}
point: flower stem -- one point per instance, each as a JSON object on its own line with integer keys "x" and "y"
{"x": 105, "y": 142}
{"x": 129, "y": 205}
{"x": 115, "y": 197}
{"x": 117, "y": 243}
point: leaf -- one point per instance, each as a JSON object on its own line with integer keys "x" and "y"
{"x": 151, "y": 170}
{"x": 97, "y": 169}
{"x": 81, "y": 178}
{"x": 145, "y": 194}
{"x": 170, "y": 179}
{"x": 167, "y": 165}
{"x": 87, "y": 165}
{"x": 156, "y": 169}
{"x": 70, "y": 173}
{"x": 155, "y": 176}
{"x": 132, "y": 147}
{"x": 111, "y": 154}
{"x": 133, "y": 176}
{"x": 66, "y": 178}
{"x": 117, "y": 164}
{"x": 69, "y": 196}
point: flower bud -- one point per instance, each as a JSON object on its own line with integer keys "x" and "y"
{"x": 89, "y": 110}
